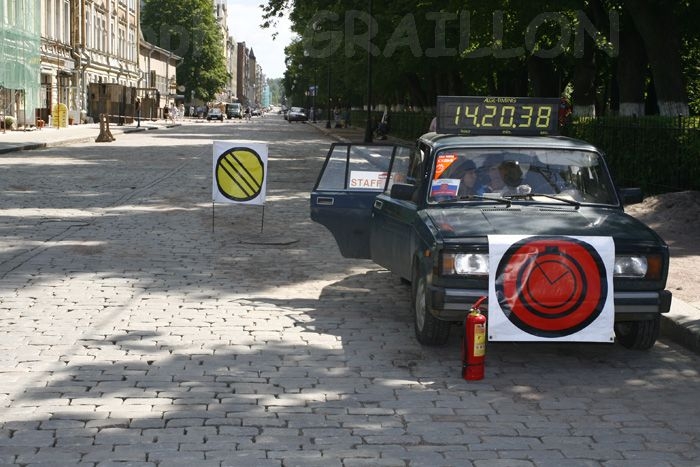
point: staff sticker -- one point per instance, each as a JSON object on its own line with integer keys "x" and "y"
{"x": 239, "y": 172}
{"x": 546, "y": 288}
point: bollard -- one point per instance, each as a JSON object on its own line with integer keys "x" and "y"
{"x": 105, "y": 135}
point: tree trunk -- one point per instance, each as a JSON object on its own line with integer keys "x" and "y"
{"x": 584, "y": 95}
{"x": 631, "y": 70}
{"x": 544, "y": 78}
{"x": 659, "y": 30}
{"x": 417, "y": 93}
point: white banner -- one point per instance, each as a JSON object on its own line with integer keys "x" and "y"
{"x": 366, "y": 180}
{"x": 551, "y": 288}
{"x": 239, "y": 172}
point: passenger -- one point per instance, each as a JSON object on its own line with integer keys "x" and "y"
{"x": 467, "y": 184}
{"x": 491, "y": 177}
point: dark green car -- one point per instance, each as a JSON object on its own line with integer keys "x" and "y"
{"x": 534, "y": 223}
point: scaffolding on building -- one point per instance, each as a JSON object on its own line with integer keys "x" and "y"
{"x": 20, "y": 62}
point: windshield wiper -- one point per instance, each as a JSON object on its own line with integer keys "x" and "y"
{"x": 531, "y": 196}
{"x": 497, "y": 199}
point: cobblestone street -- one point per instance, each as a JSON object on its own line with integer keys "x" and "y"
{"x": 141, "y": 326}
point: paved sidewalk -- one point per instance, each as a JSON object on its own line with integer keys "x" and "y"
{"x": 681, "y": 324}
{"x": 40, "y": 138}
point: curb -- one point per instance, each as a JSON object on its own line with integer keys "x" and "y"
{"x": 682, "y": 325}
{"x": 31, "y": 146}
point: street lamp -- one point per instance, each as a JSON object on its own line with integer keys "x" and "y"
{"x": 368, "y": 128}
{"x": 328, "y": 123}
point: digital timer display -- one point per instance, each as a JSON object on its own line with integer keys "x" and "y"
{"x": 468, "y": 115}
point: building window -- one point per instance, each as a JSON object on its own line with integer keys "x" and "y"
{"x": 122, "y": 43}
{"x": 88, "y": 29}
{"x": 65, "y": 36}
{"x": 46, "y": 20}
{"x": 132, "y": 44}
{"x": 113, "y": 38}
{"x": 55, "y": 34}
{"x": 103, "y": 35}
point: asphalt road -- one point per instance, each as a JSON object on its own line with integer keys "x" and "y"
{"x": 139, "y": 326}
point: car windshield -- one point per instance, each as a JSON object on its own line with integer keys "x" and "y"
{"x": 521, "y": 175}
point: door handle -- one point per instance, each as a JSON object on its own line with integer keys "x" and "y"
{"x": 378, "y": 204}
{"x": 325, "y": 201}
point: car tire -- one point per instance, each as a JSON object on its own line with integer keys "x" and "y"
{"x": 638, "y": 335}
{"x": 429, "y": 330}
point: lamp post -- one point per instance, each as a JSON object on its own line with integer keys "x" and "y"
{"x": 313, "y": 96}
{"x": 368, "y": 127}
{"x": 328, "y": 123}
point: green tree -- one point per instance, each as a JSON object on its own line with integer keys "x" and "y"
{"x": 275, "y": 86}
{"x": 604, "y": 54}
{"x": 188, "y": 29}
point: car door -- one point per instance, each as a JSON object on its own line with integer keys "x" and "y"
{"x": 350, "y": 180}
{"x": 391, "y": 235}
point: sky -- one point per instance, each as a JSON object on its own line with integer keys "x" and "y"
{"x": 244, "y": 19}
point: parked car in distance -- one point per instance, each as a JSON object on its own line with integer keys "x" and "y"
{"x": 215, "y": 114}
{"x": 296, "y": 114}
{"x": 234, "y": 110}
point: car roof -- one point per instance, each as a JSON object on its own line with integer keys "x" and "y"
{"x": 438, "y": 141}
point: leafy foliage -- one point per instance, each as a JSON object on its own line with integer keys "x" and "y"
{"x": 421, "y": 49}
{"x": 188, "y": 29}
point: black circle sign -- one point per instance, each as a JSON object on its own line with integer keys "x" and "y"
{"x": 551, "y": 286}
{"x": 239, "y": 174}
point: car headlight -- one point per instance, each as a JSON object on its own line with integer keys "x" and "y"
{"x": 466, "y": 264}
{"x": 631, "y": 266}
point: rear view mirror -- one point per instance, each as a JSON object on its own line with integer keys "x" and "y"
{"x": 402, "y": 191}
{"x": 631, "y": 196}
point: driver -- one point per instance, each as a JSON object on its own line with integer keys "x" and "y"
{"x": 512, "y": 176}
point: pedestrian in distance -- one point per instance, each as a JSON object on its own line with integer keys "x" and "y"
{"x": 336, "y": 117}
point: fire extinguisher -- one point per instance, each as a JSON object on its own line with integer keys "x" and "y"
{"x": 474, "y": 343}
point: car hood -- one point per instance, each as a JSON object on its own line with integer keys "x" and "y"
{"x": 455, "y": 222}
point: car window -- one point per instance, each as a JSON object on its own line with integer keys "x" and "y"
{"x": 357, "y": 167}
{"x": 566, "y": 174}
{"x": 401, "y": 168}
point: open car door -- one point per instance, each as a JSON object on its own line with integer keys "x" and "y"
{"x": 351, "y": 178}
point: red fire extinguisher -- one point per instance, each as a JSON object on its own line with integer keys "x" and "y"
{"x": 474, "y": 343}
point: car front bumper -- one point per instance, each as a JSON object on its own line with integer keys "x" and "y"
{"x": 451, "y": 304}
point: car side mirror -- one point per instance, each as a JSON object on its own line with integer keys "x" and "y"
{"x": 631, "y": 196}
{"x": 402, "y": 191}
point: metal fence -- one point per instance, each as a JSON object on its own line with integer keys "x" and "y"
{"x": 658, "y": 154}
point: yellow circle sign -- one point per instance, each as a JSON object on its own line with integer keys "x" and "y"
{"x": 239, "y": 174}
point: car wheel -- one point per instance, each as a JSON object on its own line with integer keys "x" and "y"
{"x": 429, "y": 330}
{"x": 638, "y": 335}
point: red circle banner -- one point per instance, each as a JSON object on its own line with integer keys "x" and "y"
{"x": 551, "y": 286}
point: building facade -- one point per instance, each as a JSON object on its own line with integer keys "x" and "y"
{"x": 87, "y": 57}
{"x": 94, "y": 60}
{"x": 20, "y": 34}
{"x": 247, "y": 78}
